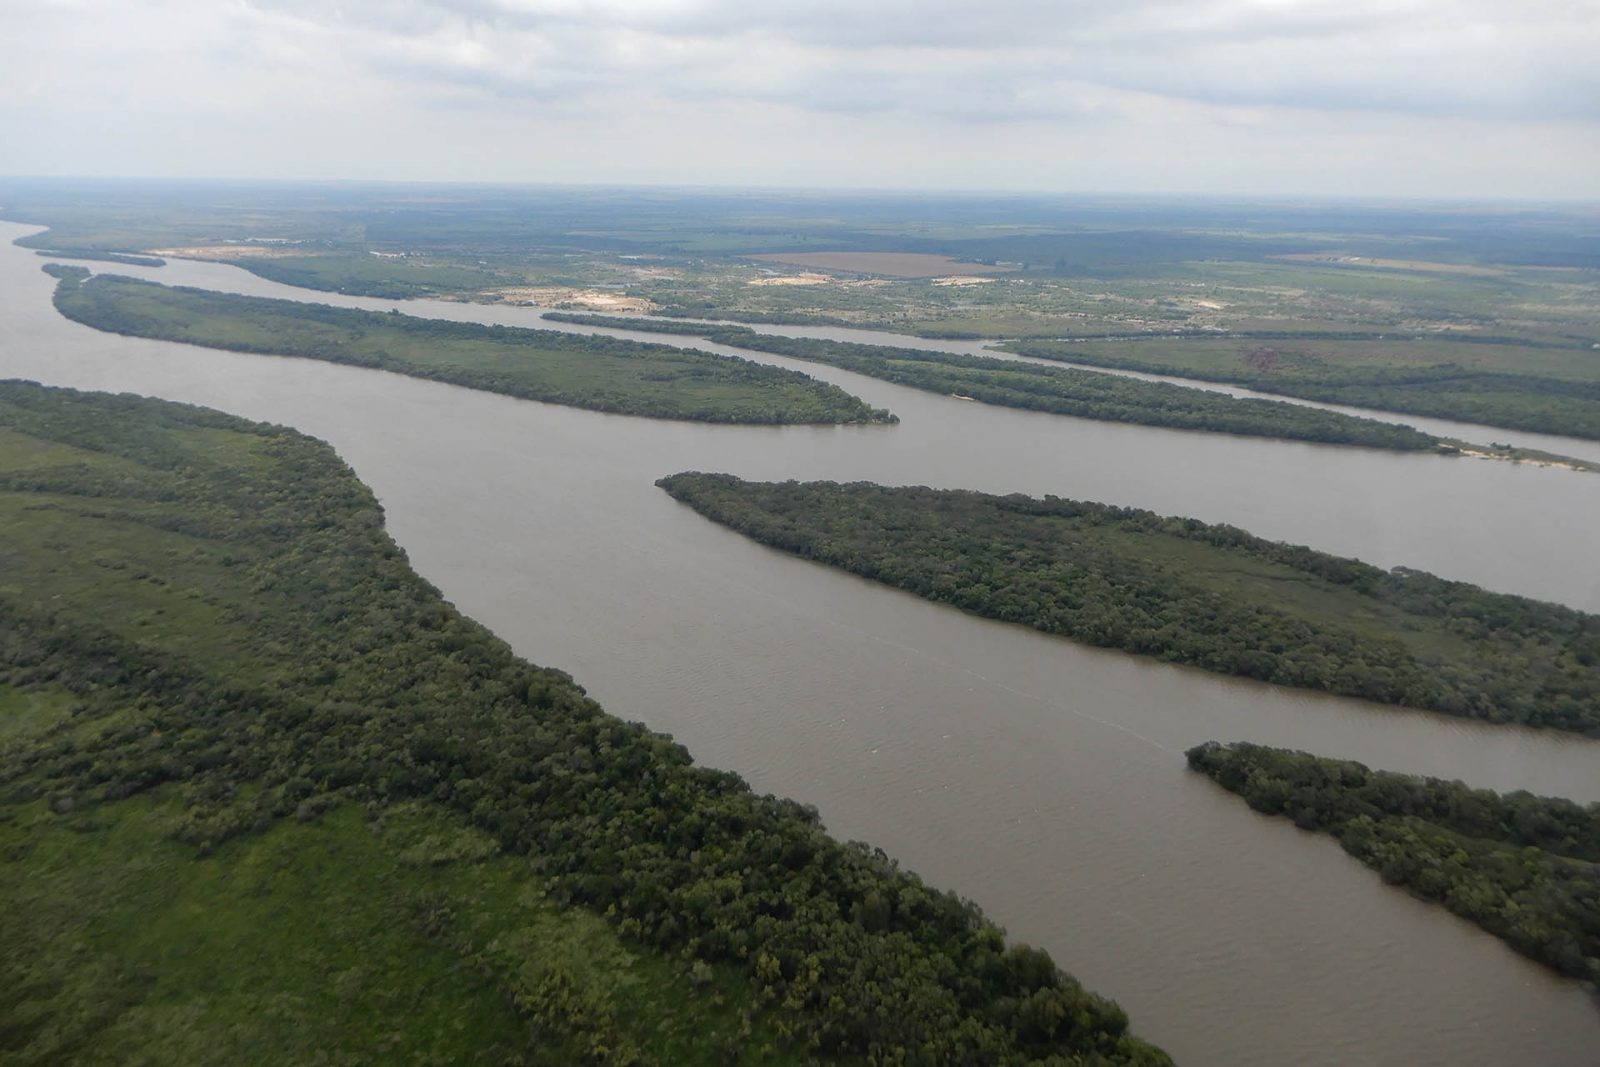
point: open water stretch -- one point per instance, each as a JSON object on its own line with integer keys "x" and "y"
{"x": 1042, "y": 779}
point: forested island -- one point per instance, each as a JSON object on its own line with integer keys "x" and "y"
{"x": 266, "y": 797}
{"x": 1523, "y": 867}
{"x": 1190, "y": 592}
{"x": 1413, "y": 377}
{"x": 1059, "y": 390}
{"x": 599, "y": 373}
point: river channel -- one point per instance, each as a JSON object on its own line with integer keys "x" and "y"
{"x": 1044, "y": 780}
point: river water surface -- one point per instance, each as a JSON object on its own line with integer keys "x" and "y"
{"x": 1044, "y": 780}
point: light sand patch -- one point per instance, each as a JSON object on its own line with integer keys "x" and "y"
{"x": 895, "y": 264}
{"x": 574, "y": 299}
{"x": 963, "y": 279}
{"x": 1209, "y": 305}
{"x": 792, "y": 279}
{"x": 219, "y": 252}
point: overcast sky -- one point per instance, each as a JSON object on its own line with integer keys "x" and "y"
{"x": 1389, "y": 97}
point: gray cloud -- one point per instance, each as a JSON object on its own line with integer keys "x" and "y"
{"x": 1005, "y": 59}
{"x": 1414, "y": 95}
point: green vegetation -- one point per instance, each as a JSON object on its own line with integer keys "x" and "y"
{"x": 1525, "y": 868}
{"x": 1550, "y": 387}
{"x": 598, "y": 373}
{"x": 1059, "y": 390}
{"x": 66, "y": 272}
{"x": 265, "y": 797}
{"x": 396, "y": 277}
{"x": 396, "y": 932}
{"x": 1188, "y": 592}
{"x": 1243, "y": 274}
{"x": 1082, "y": 266}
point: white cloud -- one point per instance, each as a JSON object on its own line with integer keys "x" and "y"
{"x": 1073, "y": 93}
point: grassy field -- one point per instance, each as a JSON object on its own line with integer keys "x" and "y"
{"x": 599, "y": 373}
{"x": 396, "y": 276}
{"x": 394, "y": 933}
{"x": 1210, "y": 596}
{"x": 266, "y": 798}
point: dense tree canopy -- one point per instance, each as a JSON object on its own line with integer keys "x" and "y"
{"x": 230, "y": 627}
{"x": 601, "y": 373}
{"x": 1493, "y": 396}
{"x": 1061, "y": 390}
{"x": 1525, "y": 868}
{"x": 1189, "y": 592}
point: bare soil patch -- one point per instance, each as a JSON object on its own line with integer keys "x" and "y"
{"x": 223, "y": 252}
{"x": 574, "y": 299}
{"x": 793, "y": 279}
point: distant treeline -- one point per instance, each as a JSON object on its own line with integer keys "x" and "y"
{"x": 600, "y": 373}
{"x": 1529, "y": 402}
{"x": 1059, "y": 390}
{"x": 235, "y": 629}
{"x": 1523, "y": 867}
{"x": 1188, "y": 592}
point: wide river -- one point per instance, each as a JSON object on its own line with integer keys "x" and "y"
{"x": 1044, "y": 780}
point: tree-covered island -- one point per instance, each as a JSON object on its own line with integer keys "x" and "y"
{"x": 1188, "y": 592}
{"x": 600, "y": 373}
{"x": 1523, "y": 867}
{"x": 1060, "y": 390}
{"x": 1550, "y": 386}
{"x": 266, "y": 798}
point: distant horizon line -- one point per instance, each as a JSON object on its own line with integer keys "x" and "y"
{"x": 861, "y": 191}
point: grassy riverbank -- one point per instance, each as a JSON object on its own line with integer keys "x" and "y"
{"x": 1548, "y": 387}
{"x": 1524, "y": 868}
{"x": 599, "y": 373}
{"x": 265, "y": 797}
{"x": 1188, "y": 592}
{"x": 1059, "y": 390}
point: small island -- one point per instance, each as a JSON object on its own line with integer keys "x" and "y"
{"x": 599, "y": 373}
{"x": 267, "y": 797}
{"x": 1523, "y": 867}
{"x": 1188, "y": 592}
{"x": 1546, "y": 385}
{"x": 1071, "y": 391}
